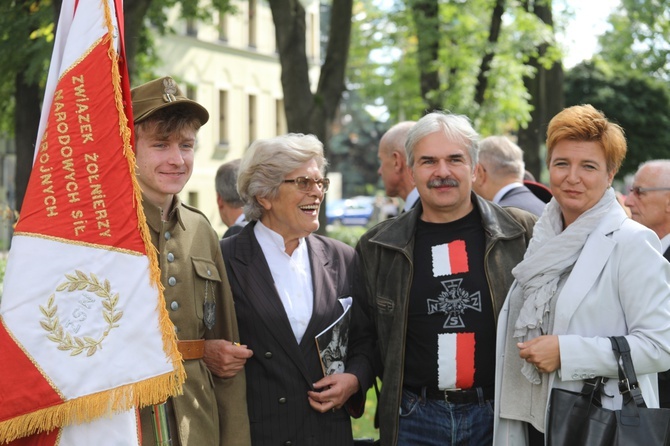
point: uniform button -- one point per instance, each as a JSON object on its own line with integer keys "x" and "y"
{"x": 209, "y": 273}
{"x": 174, "y": 305}
{"x": 172, "y": 281}
{"x": 268, "y": 355}
{"x": 167, "y": 235}
{"x": 282, "y": 400}
{"x": 170, "y": 257}
{"x": 176, "y": 329}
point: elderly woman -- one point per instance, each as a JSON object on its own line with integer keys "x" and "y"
{"x": 589, "y": 273}
{"x": 287, "y": 285}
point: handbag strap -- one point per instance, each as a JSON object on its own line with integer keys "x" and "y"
{"x": 628, "y": 384}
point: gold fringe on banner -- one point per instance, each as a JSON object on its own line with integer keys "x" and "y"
{"x": 166, "y": 326}
{"x": 86, "y": 408}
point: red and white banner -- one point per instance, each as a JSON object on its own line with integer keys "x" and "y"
{"x": 450, "y": 258}
{"x": 84, "y": 335}
{"x": 456, "y": 360}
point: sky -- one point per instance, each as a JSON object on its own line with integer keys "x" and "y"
{"x": 581, "y": 34}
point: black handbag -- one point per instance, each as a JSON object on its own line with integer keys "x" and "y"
{"x": 578, "y": 418}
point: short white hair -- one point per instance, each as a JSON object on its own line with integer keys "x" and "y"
{"x": 266, "y": 163}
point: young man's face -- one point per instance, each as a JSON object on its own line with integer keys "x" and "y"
{"x": 164, "y": 166}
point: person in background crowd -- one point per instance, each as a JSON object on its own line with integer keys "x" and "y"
{"x": 433, "y": 281}
{"x": 288, "y": 285}
{"x": 211, "y": 410}
{"x": 231, "y": 206}
{"x": 393, "y": 167}
{"x": 649, "y": 204}
{"x": 500, "y": 173}
{"x": 589, "y": 273}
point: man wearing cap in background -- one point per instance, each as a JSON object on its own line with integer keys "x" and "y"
{"x": 212, "y": 410}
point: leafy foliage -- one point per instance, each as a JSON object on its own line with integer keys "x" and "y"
{"x": 26, "y": 40}
{"x": 637, "y": 102}
{"x": 639, "y": 38}
{"x": 384, "y": 60}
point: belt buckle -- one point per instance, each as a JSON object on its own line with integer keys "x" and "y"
{"x": 446, "y": 396}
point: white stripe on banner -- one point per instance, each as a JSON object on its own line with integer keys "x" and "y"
{"x": 112, "y": 356}
{"x": 106, "y": 431}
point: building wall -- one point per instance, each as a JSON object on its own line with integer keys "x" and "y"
{"x": 226, "y": 58}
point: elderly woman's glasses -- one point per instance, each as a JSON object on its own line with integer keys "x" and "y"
{"x": 306, "y": 184}
{"x": 637, "y": 190}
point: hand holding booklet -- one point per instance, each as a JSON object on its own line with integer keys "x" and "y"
{"x": 332, "y": 342}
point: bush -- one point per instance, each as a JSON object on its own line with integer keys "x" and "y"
{"x": 346, "y": 234}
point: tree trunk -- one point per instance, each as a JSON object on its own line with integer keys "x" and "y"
{"x": 494, "y": 34}
{"x": 26, "y": 123}
{"x": 307, "y": 112}
{"x": 427, "y": 23}
{"x": 134, "y": 12}
{"x": 546, "y": 90}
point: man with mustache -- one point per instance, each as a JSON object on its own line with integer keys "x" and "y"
{"x": 432, "y": 282}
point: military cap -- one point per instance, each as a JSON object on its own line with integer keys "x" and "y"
{"x": 159, "y": 94}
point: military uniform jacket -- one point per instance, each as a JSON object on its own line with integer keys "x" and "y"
{"x": 212, "y": 410}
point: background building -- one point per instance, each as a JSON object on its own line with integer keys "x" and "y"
{"x": 232, "y": 69}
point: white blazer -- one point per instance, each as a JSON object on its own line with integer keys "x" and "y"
{"x": 620, "y": 285}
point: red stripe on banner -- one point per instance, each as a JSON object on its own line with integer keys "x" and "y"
{"x": 43, "y": 439}
{"x": 458, "y": 257}
{"x": 465, "y": 360}
{"x": 80, "y": 188}
{"x": 29, "y": 390}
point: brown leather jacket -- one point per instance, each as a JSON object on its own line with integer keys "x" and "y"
{"x": 386, "y": 254}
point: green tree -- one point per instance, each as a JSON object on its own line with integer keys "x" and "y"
{"x": 637, "y": 102}
{"x": 353, "y": 146}
{"x": 26, "y": 40}
{"x": 639, "y": 38}
{"x": 457, "y": 56}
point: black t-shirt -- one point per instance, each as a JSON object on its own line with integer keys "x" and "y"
{"x": 451, "y": 326}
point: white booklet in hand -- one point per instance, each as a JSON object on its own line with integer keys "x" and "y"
{"x": 332, "y": 342}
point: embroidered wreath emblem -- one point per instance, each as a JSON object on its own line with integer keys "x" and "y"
{"x": 77, "y": 345}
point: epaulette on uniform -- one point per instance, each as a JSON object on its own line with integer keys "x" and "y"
{"x": 196, "y": 210}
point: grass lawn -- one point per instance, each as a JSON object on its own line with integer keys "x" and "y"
{"x": 364, "y": 426}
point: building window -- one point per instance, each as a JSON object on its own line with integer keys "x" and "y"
{"x": 191, "y": 92}
{"x": 252, "y": 119}
{"x": 252, "y": 23}
{"x": 193, "y": 199}
{"x": 191, "y": 27}
{"x": 223, "y": 117}
{"x": 280, "y": 124}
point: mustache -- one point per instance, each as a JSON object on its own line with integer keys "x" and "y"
{"x": 442, "y": 182}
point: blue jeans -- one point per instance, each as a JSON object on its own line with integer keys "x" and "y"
{"x": 438, "y": 423}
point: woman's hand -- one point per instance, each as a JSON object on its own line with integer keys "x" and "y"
{"x": 333, "y": 391}
{"x": 543, "y": 352}
{"x": 224, "y": 358}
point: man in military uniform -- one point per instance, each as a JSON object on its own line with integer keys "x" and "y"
{"x": 212, "y": 410}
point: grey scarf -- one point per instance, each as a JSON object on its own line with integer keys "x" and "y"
{"x": 551, "y": 252}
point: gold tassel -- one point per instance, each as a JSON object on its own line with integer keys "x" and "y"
{"x": 169, "y": 340}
